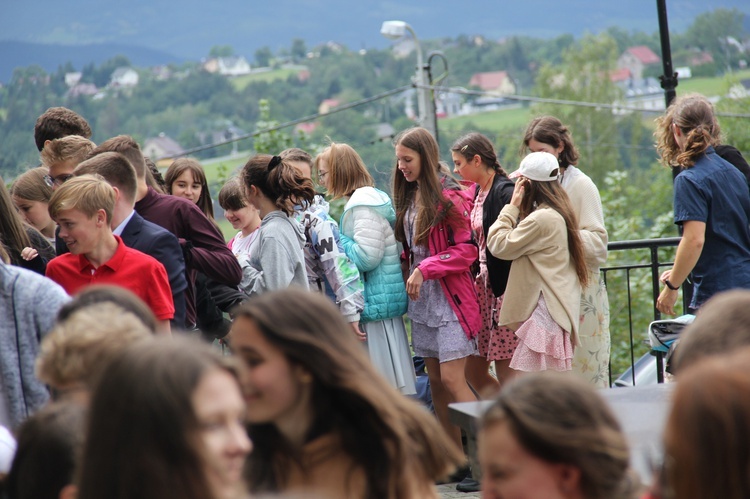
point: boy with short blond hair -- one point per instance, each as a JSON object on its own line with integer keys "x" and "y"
{"x": 77, "y": 349}
{"x": 62, "y": 155}
{"x": 83, "y": 208}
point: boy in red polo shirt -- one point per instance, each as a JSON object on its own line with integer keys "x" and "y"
{"x": 83, "y": 207}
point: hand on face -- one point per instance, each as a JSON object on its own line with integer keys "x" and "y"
{"x": 519, "y": 191}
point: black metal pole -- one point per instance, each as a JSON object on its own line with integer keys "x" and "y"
{"x": 669, "y": 78}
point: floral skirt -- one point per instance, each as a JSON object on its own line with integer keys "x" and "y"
{"x": 543, "y": 345}
{"x": 591, "y": 357}
{"x": 494, "y": 342}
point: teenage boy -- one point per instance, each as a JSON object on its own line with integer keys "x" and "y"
{"x": 202, "y": 244}
{"x": 57, "y": 122}
{"x": 136, "y": 232}
{"x": 61, "y": 156}
{"x": 83, "y": 208}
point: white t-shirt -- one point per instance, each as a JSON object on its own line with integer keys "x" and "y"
{"x": 243, "y": 245}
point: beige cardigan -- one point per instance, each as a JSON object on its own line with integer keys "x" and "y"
{"x": 538, "y": 247}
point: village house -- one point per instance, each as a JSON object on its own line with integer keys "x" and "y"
{"x": 494, "y": 81}
{"x": 637, "y": 59}
{"x": 124, "y": 77}
{"x": 161, "y": 146}
{"x": 328, "y": 104}
{"x": 228, "y": 66}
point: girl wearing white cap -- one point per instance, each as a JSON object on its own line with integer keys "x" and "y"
{"x": 549, "y": 134}
{"x": 539, "y": 232}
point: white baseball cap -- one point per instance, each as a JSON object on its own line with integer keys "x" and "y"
{"x": 539, "y": 166}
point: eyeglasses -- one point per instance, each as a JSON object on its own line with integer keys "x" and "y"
{"x": 322, "y": 176}
{"x": 57, "y": 181}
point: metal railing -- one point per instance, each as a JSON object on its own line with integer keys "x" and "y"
{"x": 637, "y": 278}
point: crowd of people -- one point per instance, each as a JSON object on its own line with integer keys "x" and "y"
{"x": 143, "y": 356}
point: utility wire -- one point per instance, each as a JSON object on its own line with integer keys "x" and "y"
{"x": 436, "y": 88}
{"x": 545, "y": 100}
{"x": 287, "y": 124}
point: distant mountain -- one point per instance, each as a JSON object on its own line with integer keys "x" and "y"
{"x": 189, "y": 28}
{"x": 49, "y": 57}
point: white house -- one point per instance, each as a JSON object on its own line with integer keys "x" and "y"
{"x": 233, "y": 66}
{"x": 161, "y": 146}
{"x": 124, "y": 77}
{"x": 72, "y": 79}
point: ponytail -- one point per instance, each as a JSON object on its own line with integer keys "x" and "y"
{"x": 279, "y": 181}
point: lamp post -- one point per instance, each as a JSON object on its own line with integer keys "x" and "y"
{"x": 425, "y": 102}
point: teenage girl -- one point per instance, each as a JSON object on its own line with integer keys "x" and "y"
{"x": 710, "y": 203}
{"x": 185, "y": 178}
{"x": 25, "y": 245}
{"x": 591, "y": 360}
{"x": 323, "y": 422}
{"x": 274, "y": 187}
{"x": 31, "y": 194}
{"x": 475, "y": 160}
{"x": 166, "y": 420}
{"x": 242, "y": 215}
{"x": 538, "y": 231}
{"x": 432, "y": 222}
{"x": 368, "y": 239}
{"x": 329, "y": 269}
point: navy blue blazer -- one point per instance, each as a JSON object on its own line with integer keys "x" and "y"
{"x": 159, "y": 243}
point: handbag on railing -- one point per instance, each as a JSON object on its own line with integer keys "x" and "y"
{"x": 664, "y": 337}
{"x": 662, "y": 334}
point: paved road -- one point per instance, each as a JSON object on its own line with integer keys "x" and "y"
{"x": 448, "y": 491}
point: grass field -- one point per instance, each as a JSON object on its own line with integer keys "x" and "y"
{"x": 710, "y": 86}
{"x": 241, "y": 82}
{"x": 490, "y": 120}
{"x": 223, "y": 167}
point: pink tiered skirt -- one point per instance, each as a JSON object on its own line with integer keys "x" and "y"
{"x": 542, "y": 344}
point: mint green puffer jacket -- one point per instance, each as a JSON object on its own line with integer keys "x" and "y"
{"x": 368, "y": 239}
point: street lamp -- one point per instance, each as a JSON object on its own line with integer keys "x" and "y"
{"x": 425, "y": 104}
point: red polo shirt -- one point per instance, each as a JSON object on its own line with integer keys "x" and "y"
{"x": 128, "y": 268}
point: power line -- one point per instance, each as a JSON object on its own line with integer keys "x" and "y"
{"x": 287, "y": 124}
{"x": 454, "y": 90}
{"x": 546, "y": 100}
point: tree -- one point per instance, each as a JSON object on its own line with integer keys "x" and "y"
{"x": 710, "y": 31}
{"x": 263, "y": 56}
{"x": 101, "y": 75}
{"x": 734, "y": 129}
{"x": 584, "y": 77}
{"x": 299, "y": 50}
{"x": 272, "y": 142}
{"x": 221, "y": 51}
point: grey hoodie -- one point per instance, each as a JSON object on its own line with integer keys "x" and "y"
{"x": 278, "y": 259}
{"x": 28, "y": 307}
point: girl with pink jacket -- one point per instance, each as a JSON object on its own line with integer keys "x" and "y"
{"x": 432, "y": 222}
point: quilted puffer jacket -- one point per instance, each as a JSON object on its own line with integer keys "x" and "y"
{"x": 368, "y": 240}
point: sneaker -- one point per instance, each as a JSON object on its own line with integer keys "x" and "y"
{"x": 468, "y": 484}
{"x": 458, "y": 476}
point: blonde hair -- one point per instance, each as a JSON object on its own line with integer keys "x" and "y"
{"x": 693, "y": 114}
{"x": 87, "y": 193}
{"x": 346, "y": 170}
{"x": 31, "y": 186}
{"x": 78, "y": 348}
{"x": 72, "y": 147}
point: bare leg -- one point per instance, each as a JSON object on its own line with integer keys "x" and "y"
{"x": 504, "y": 372}
{"x": 479, "y": 377}
{"x": 440, "y": 400}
